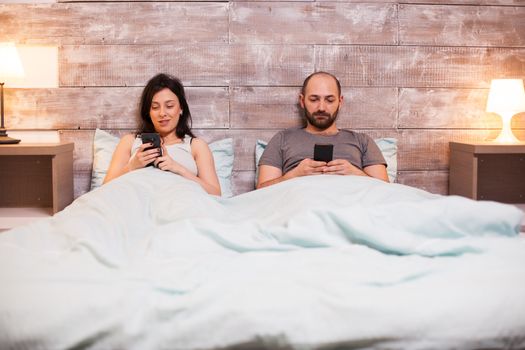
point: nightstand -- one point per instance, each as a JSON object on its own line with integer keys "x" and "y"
{"x": 36, "y": 180}
{"x": 488, "y": 171}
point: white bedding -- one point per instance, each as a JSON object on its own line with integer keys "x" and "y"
{"x": 150, "y": 261}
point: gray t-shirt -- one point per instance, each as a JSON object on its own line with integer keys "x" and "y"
{"x": 289, "y": 147}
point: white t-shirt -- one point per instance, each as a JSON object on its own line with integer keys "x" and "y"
{"x": 180, "y": 152}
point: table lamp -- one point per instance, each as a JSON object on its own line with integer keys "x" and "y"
{"x": 506, "y": 98}
{"x": 10, "y": 66}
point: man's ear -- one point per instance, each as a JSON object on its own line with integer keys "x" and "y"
{"x": 301, "y": 100}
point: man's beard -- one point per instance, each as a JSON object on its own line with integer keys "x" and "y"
{"x": 321, "y": 124}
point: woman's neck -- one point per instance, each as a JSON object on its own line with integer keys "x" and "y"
{"x": 170, "y": 138}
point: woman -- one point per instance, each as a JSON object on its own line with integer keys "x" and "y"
{"x": 164, "y": 109}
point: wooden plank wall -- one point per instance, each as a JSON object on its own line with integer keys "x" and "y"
{"x": 417, "y": 70}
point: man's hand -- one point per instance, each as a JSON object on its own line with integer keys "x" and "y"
{"x": 308, "y": 167}
{"x": 342, "y": 167}
{"x": 269, "y": 175}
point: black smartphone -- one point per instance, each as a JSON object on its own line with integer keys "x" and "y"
{"x": 323, "y": 152}
{"x": 154, "y": 138}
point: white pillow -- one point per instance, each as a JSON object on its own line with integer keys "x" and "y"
{"x": 222, "y": 151}
{"x": 104, "y": 145}
{"x": 387, "y": 145}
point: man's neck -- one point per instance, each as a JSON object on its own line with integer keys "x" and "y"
{"x": 332, "y": 130}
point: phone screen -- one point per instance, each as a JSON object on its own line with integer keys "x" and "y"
{"x": 323, "y": 152}
{"x": 154, "y": 138}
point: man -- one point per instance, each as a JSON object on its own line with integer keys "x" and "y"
{"x": 289, "y": 153}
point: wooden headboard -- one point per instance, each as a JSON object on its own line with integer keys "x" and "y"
{"x": 418, "y": 71}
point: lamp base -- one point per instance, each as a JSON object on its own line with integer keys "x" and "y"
{"x": 507, "y": 138}
{"x": 506, "y": 135}
{"x": 5, "y": 140}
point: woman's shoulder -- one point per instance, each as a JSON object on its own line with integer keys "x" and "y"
{"x": 198, "y": 146}
{"x": 128, "y": 140}
{"x": 198, "y": 142}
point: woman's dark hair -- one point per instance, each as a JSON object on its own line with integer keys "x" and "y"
{"x": 156, "y": 84}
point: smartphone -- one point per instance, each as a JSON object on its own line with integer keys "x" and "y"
{"x": 154, "y": 138}
{"x": 323, "y": 152}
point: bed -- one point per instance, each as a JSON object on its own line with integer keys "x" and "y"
{"x": 150, "y": 261}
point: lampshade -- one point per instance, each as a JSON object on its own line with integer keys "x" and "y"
{"x": 506, "y": 98}
{"x": 10, "y": 64}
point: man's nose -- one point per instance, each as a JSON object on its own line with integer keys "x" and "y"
{"x": 322, "y": 106}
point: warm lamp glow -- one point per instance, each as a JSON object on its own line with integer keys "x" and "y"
{"x": 10, "y": 66}
{"x": 506, "y": 98}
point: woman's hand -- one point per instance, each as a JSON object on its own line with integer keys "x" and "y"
{"x": 167, "y": 163}
{"x": 142, "y": 157}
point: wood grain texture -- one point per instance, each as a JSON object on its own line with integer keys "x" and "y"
{"x": 463, "y": 2}
{"x": 244, "y": 144}
{"x": 425, "y": 149}
{"x": 92, "y": 1}
{"x": 279, "y": 108}
{"x": 264, "y": 23}
{"x": 418, "y": 66}
{"x": 243, "y": 181}
{"x": 464, "y": 25}
{"x": 451, "y": 2}
{"x": 416, "y": 70}
{"x": 449, "y": 109}
{"x": 115, "y": 23}
{"x": 81, "y": 182}
{"x": 26, "y": 181}
{"x": 271, "y": 65}
{"x": 106, "y": 108}
{"x": 133, "y": 65}
{"x": 431, "y": 181}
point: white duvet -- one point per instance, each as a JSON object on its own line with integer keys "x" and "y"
{"x": 150, "y": 261}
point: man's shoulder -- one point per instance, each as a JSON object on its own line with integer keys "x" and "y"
{"x": 287, "y": 133}
{"x": 292, "y": 131}
{"x": 361, "y": 136}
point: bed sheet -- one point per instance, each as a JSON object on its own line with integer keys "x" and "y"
{"x": 150, "y": 261}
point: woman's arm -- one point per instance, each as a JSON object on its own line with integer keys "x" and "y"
{"x": 121, "y": 162}
{"x": 206, "y": 175}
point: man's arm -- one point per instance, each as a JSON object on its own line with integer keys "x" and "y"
{"x": 378, "y": 171}
{"x": 270, "y": 175}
